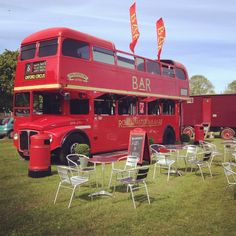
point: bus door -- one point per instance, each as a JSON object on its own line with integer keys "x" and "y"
{"x": 105, "y": 125}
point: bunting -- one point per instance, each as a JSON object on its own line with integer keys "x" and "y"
{"x": 161, "y": 34}
{"x": 134, "y": 27}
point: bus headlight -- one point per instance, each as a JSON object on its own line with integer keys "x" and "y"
{"x": 15, "y": 136}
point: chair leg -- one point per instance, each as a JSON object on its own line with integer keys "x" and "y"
{"x": 57, "y": 192}
{"x": 72, "y": 195}
{"x": 168, "y": 174}
{"x": 132, "y": 195}
{"x": 209, "y": 169}
{"x": 154, "y": 171}
{"x": 201, "y": 172}
{"x": 147, "y": 193}
{"x": 109, "y": 185}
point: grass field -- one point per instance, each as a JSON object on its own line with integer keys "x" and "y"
{"x": 184, "y": 206}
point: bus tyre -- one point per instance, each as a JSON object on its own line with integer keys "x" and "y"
{"x": 227, "y": 133}
{"x": 189, "y": 131}
{"x": 68, "y": 146}
{"x": 169, "y": 136}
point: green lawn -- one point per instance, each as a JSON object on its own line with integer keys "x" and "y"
{"x": 184, "y": 206}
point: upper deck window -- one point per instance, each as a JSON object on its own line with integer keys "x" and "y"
{"x": 75, "y": 48}
{"x": 125, "y": 60}
{"x": 168, "y": 71}
{"x": 103, "y": 55}
{"x": 153, "y": 67}
{"x": 180, "y": 73}
{"x": 28, "y": 51}
{"x": 140, "y": 63}
{"x": 48, "y": 48}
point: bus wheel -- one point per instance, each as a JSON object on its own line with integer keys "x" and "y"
{"x": 227, "y": 133}
{"x": 169, "y": 136}
{"x": 189, "y": 131}
{"x": 68, "y": 146}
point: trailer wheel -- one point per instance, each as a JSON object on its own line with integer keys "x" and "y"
{"x": 169, "y": 136}
{"x": 227, "y": 133}
{"x": 68, "y": 146}
{"x": 189, "y": 131}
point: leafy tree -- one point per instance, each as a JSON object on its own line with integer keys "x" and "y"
{"x": 200, "y": 85}
{"x": 8, "y": 60}
{"x": 231, "y": 88}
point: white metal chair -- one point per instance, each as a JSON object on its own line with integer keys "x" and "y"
{"x": 190, "y": 156}
{"x": 135, "y": 182}
{"x": 229, "y": 149}
{"x": 130, "y": 164}
{"x": 69, "y": 181}
{"x": 162, "y": 158}
{"x": 81, "y": 163}
{"x": 205, "y": 158}
{"x": 229, "y": 174}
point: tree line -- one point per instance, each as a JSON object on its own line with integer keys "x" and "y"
{"x": 199, "y": 84}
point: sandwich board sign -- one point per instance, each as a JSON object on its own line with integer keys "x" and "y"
{"x": 139, "y": 146}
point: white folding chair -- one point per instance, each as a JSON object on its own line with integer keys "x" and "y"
{"x": 190, "y": 156}
{"x": 135, "y": 182}
{"x": 131, "y": 163}
{"x": 229, "y": 174}
{"x": 162, "y": 158}
{"x": 69, "y": 181}
{"x": 81, "y": 163}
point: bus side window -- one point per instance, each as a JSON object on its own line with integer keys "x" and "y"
{"x": 75, "y": 48}
{"x": 168, "y": 107}
{"x": 140, "y": 64}
{"x": 79, "y": 106}
{"x": 104, "y": 107}
{"x": 154, "y": 108}
{"x": 127, "y": 106}
{"x": 153, "y": 67}
{"x": 168, "y": 71}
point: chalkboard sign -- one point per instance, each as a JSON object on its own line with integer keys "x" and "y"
{"x": 139, "y": 145}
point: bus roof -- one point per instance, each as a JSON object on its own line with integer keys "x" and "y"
{"x": 68, "y": 33}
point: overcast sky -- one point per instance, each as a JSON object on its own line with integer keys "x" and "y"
{"x": 201, "y": 34}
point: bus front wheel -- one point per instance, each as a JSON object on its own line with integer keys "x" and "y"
{"x": 68, "y": 147}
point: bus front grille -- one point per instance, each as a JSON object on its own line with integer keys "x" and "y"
{"x": 25, "y": 139}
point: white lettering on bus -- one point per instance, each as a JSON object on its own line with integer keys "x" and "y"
{"x": 142, "y": 84}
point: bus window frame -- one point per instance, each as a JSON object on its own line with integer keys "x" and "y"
{"x": 88, "y": 55}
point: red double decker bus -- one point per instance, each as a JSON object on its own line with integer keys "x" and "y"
{"x": 80, "y": 89}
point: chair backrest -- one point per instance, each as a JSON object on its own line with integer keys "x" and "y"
{"x": 208, "y": 151}
{"x": 229, "y": 173}
{"x": 142, "y": 173}
{"x": 191, "y": 153}
{"x": 154, "y": 148}
{"x": 64, "y": 173}
{"x": 73, "y": 160}
{"x": 131, "y": 162}
{"x": 84, "y": 160}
